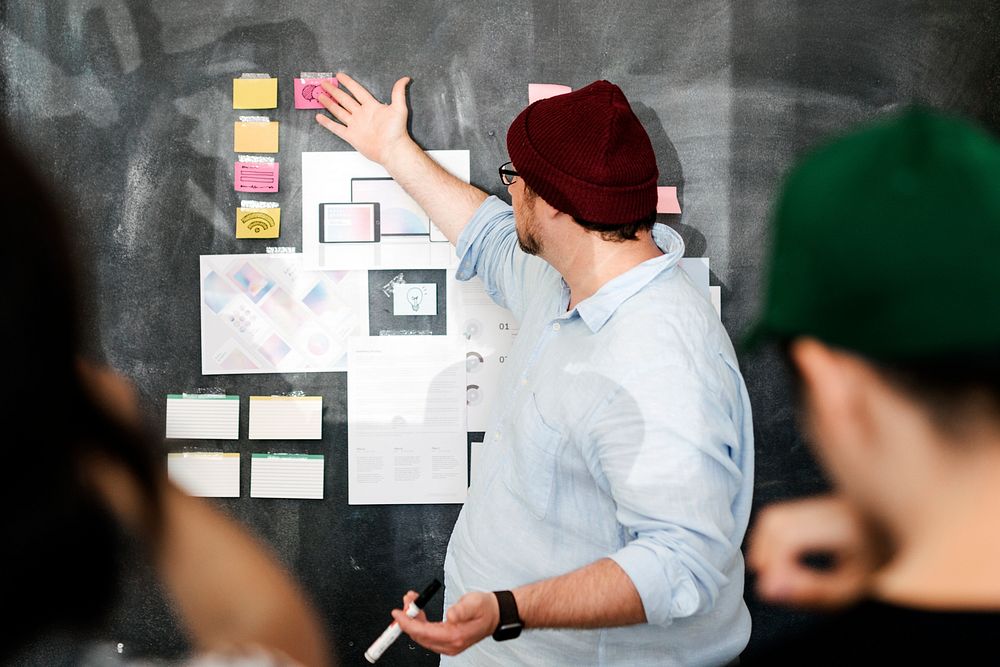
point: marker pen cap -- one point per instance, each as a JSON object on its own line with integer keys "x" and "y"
{"x": 428, "y": 593}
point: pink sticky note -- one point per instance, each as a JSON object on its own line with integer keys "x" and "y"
{"x": 256, "y": 177}
{"x": 307, "y": 91}
{"x": 666, "y": 200}
{"x": 541, "y": 91}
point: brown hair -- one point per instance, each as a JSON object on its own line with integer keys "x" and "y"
{"x": 613, "y": 233}
{"x": 63, "y": 545}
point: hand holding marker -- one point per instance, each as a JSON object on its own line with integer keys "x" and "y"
{"x": 391, "y": 633}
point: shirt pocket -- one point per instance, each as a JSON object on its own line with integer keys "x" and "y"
{"x": 530, "y": 470}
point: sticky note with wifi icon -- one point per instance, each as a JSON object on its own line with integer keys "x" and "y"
{"x": 258, "y": 222}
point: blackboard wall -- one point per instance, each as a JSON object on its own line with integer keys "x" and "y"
{"x": 126, "y": 107}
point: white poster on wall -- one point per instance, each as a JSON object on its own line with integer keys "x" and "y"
{"x": 406, "y": 434}
{"x": 265, "y": 314}
{"x": 355, "y": 216}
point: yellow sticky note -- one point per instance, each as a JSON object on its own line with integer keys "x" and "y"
{"x": 255, "y": 93}
{"x": 258, "y": 223}
{"x": 255, "y": 137}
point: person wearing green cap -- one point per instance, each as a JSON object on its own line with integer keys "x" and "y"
{"x": 614, "y": 489}
{"x": 882, "y": 287}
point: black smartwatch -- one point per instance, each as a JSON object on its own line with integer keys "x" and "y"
{"x": 510, "y": 624}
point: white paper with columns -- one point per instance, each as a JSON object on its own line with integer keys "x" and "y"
{"x": 406, "y": 436}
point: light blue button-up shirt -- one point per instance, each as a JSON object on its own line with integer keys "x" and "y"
{"x": 624, "y": 432}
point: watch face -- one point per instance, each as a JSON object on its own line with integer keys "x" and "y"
{"x": 508, "y": 631}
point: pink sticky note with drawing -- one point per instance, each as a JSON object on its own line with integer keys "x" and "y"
{"x": 541, "y": 91}
{"x": 307, "y": 91}
{"x": 666, "y": 200}
{"x": 256, "y": 177}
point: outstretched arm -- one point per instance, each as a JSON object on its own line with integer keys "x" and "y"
{"x": 599, "y": 595}
{"x": 378, "y": 131}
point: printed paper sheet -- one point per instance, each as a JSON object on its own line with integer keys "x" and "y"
{"x": 265, "y": 314}
{"x": 395, "y": 234}
{"x": 406, "y": 434}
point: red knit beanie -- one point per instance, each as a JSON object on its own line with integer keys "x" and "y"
{"x": 586, "y": 154}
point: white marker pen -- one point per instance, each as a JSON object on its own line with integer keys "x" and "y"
{"x": 391, "y": 633}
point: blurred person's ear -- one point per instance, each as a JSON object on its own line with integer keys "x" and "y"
{"x": 837, "y": 406}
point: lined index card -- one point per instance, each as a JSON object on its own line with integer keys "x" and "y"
{"x": 286, "y": 476}
{"x": 286, "y": 417}
{"x": 206, "y": 474}
{"x": 203, "y": 417}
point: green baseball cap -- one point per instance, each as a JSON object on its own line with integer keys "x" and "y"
{"x": 886, "y": 242}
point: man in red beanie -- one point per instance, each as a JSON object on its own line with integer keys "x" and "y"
{"x": 617, "y": 474}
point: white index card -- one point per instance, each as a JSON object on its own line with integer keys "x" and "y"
{"x": 205, "y": 474}
{"x": 286, "y": 476}
{"x": 203, "y": 417}
{"x": 286, "y": 417}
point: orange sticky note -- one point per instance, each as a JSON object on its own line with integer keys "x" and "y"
{"x": 541, "y": 91}
{"x": 258, "y": 223}
{"x": 255, "y": 93}
{"x": 666, "y": 200}
{"x": 255, "y": 136}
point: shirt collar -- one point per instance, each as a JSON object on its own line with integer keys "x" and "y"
{"x": 598, "y": 308}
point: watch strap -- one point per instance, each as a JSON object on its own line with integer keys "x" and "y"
{"x": 509, "y": 626}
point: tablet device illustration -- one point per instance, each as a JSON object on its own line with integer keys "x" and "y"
{"x": 349, "y": 222}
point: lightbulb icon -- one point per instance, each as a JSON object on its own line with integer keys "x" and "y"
{"x": 415, "y": 296}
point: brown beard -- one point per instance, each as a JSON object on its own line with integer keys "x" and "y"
{"x": 528, "y": 242}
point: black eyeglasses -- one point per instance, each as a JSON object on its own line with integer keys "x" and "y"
{"x": 507, "y": 175}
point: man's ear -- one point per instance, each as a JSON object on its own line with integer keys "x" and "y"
{"x": 833, "y": 391}
{"x": 545, "y": 211}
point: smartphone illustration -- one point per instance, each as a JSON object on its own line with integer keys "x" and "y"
{"x": 349, "y": 222}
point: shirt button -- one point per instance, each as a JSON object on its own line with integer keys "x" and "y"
{"x": 524, "y": 380}
{"x": 496, "y": 436}
{"x": 555, "y": 327}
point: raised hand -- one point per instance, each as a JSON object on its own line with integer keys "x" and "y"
{"x": 374, "y": 129}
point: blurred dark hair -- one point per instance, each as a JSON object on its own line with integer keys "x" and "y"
{"x": 61, "y": 542}
{"x": 952, "y": 389}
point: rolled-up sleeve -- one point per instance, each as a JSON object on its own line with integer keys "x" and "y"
{"x": 488, "y": 248}
{"x": 667, "y": 446}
